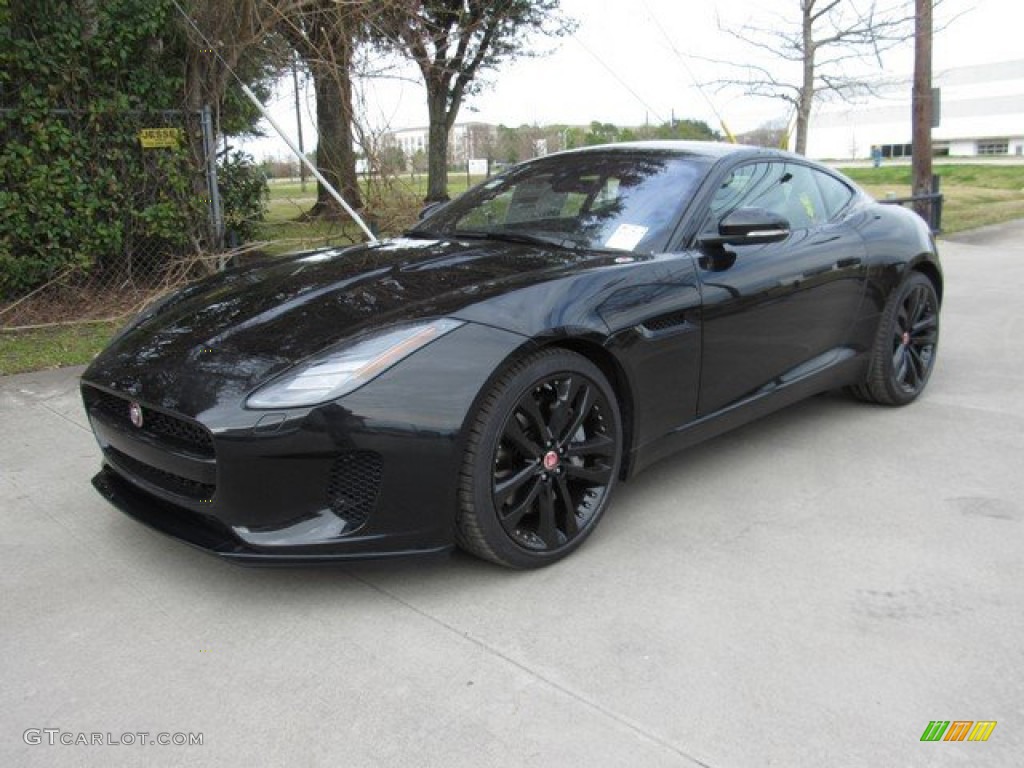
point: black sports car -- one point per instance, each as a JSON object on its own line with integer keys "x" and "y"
{"x": 486, "y": 379}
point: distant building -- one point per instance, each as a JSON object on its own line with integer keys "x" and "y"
{"x": 473, "y": 141}
{"x": 980, "y": 110}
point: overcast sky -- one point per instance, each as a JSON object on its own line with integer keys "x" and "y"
{"x": 632, "y": 60}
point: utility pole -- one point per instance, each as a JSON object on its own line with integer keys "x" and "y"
{"x": 298, "y": 117}
{"x": 922, "y": 106}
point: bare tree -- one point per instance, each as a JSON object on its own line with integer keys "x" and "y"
{"x": 225, "y": 39}
{"x": 820, "y": 45}
{"x": 220, "y": 41}
{"x": 324, "y": 33}
{"x": 452, "y": 42}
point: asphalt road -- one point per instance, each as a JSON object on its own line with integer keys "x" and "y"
{"x": 811, "y": 590}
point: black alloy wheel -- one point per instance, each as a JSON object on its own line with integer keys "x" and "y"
{"x": 542, "y": 460}
{"x": 905, "y": 348}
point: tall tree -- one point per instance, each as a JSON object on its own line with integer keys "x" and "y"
{"x": 819, "y": 45}
{"x": 452, "y": 42}
{"x": 325, "y": 34}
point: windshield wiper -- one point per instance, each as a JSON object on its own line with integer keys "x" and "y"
{"x": 519, "y": 237}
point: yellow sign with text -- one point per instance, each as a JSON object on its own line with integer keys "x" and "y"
{"x": 160, "y": 138}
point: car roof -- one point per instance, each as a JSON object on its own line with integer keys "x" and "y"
{"x": 703, "y": 148}
{"x": 715, "y": 150}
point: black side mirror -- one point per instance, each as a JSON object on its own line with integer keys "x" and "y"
{"x": 749, "y": 226}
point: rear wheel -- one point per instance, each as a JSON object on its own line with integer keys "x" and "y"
{"x": 542, "y": 460}
{"x": 904, "y": 352}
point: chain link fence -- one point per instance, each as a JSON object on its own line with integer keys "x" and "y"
{"x": 103, "y": 211}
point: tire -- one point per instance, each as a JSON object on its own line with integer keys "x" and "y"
{"x": 541, "y": 462}
{"x": 906, "y": 344}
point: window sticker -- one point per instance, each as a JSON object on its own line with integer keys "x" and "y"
{"x": 626, "y": 237}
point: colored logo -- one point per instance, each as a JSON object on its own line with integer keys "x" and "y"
{"x": 958, "y": 730}
{"x": 550, "y": 460}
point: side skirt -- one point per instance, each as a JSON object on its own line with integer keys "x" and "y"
{"x": 846, "y": 370}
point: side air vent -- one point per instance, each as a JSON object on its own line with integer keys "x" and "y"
{"x": 665, "y": 322}
{"x": 354, "y": 485}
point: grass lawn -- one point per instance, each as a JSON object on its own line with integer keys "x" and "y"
{"x": 974, "y": 195}
{"x": 55, "y": 347}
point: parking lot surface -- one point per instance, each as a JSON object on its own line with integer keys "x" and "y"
{"x": 811, "y": 590}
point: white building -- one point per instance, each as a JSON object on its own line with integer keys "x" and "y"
{"x": 981, "y": 112}
{"x": 466, "y": 140}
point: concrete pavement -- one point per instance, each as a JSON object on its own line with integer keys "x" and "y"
{"x": 811, "y": 590}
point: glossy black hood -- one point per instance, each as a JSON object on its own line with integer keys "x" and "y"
{"x": 220, "y": 338}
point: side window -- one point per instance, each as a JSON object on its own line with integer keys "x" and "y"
{"x": 788, "y": 189}
{"x": 834, "y": 194}
{"x": 749, "y": 186}
{"x": 801, "y": 200}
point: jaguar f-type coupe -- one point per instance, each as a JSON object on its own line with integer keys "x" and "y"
{"x": 487, "y": 378}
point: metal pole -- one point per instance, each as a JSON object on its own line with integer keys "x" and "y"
{"x": 312, "y": 168}
{"x": 210, "y": 150}
{"x": 298, "y": 117}
{"x": 922, "y": 107}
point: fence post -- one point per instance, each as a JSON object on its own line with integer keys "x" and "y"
{"x": 210, "y": 151}
{"x": 936, "y": 203}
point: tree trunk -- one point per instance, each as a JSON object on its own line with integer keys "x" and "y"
{"x": 335, "y": 156}
{"x": 437, "y": 143}
{"x": 803, "y": 119}
{"x": 805, "y": 99}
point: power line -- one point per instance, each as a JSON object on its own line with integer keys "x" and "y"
{"x": 686, "y": 66}
{"x": 618, "y": 79}
{"x": 280, "y": 132}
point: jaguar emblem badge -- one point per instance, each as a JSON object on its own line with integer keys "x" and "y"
{"x": 135, "y": 414}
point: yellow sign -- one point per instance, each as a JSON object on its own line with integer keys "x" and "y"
{"x": 156, "y": 138}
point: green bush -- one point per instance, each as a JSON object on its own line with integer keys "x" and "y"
{"x": 244, "y": 193}
{"x": 77, "y": 82}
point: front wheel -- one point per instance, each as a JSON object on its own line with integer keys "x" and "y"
{"x": 542, "y": 459}
{"x": 904, "y": 352}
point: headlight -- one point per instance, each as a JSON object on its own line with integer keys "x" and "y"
{"x": 344, "y": 369}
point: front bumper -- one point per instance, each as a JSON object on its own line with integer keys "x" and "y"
{"x": 209, "y": 534}
{"x": 373, "y": 474}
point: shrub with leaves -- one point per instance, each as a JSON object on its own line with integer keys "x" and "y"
{"x": 244, "y": 194}
{"x": 77, "y": 82}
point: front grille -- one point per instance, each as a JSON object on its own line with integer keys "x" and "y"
{"x": 172, "y": 430}
{"x": 168, "y": 481}
{"x": 354, "y": 485}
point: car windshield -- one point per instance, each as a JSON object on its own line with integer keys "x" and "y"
{"x": 618, "y": 200}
